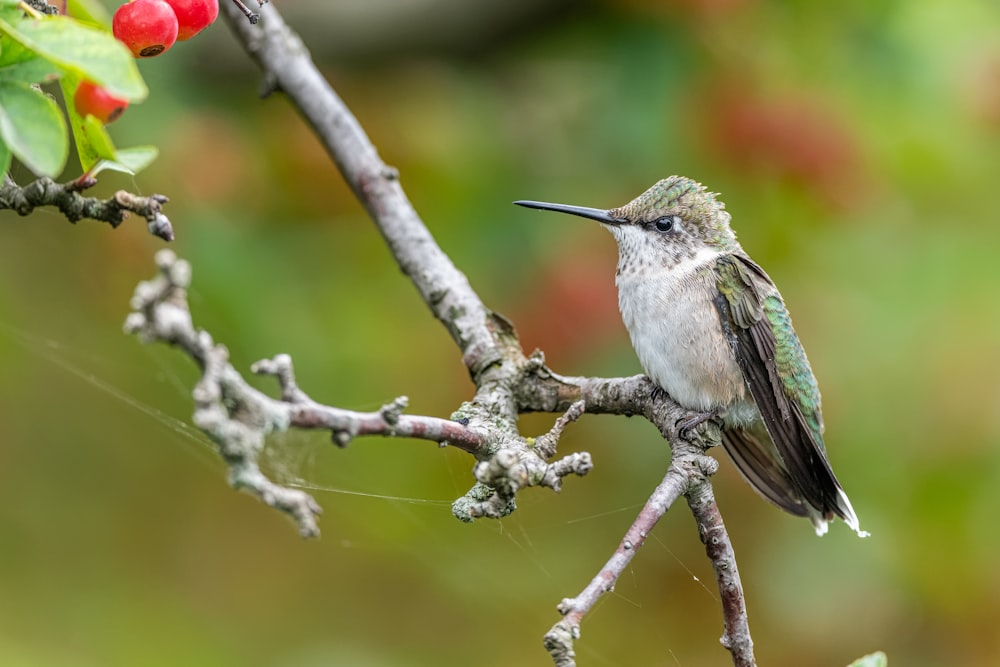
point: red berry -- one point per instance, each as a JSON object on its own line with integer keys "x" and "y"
{"x": 146, "y": 27}
{"x": 95, "y": 100}
{"x": 193, "y": 16}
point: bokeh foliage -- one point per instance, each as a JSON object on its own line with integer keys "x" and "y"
{"x": 856, "y": 147}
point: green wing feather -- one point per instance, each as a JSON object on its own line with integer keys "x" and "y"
{"x": 791, "y": 470}
{"x": 796, "y": 375}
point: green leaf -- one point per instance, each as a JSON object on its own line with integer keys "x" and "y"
{"x": 126, "y": 160}
{"x": 136, "y": 158}
{"x": 88, "y": 153}
{"x": 33, "y": 128}
{"x": 87, "y": 52}
{"x": 90, "y": 11}
{"x": 876, "y": 659}
{"x": 11, "y": 15}
{"x": 19, "y": 64}
{"x": 93, "y": 143}
{"x": 36, "y": 70}
{"x": 98, "y": 138}
{"x": 13, "y": 53}
{"x": 5, "y": 157}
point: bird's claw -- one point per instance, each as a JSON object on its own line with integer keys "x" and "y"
{"x": 688, "y": 424}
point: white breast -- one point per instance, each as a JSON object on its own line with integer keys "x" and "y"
{"x": 677, "y": 335}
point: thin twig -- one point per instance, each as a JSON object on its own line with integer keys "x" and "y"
{"x": 546, "y": 444}
{"x": 559, "y": 640}
{"x": 689, "y": 475}
{"x": 67, "y": 198}
{"x": 288, "y": 67}
{"x": 346, "y": 425}
{"x": 238, "y": 417}
{"x": 251, "y": 15}
{"x": 736, "y": 634}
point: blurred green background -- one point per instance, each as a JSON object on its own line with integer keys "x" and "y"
{"x": 858, "y": 149}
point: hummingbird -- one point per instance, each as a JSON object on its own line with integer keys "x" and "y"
{"x": 711, "y": 330}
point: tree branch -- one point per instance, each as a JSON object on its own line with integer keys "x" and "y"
{"x": 345, "y": 425}
{"x": 287, "y": 67}
{"x": 718, "y": 547}
{"x": 238, "y": 418}
{"x": 67, "y": 198}
{"x": 689, "y": 475}
{"x": 490, "y": 349}
{"x": 559, "y": 640}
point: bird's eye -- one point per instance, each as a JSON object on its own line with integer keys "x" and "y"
{"x": 666, "y": 224}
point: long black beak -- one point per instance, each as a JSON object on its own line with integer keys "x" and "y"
{"x": 584, "y": 212}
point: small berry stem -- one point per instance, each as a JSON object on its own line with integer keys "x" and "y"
{"x": 29, "y": 10}
{"x": 253, "y": 16}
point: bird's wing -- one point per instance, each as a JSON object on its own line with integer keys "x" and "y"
{"x": 759, "y": 329}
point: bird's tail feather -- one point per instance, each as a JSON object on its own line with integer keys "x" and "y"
{"x": 759, "y": 463}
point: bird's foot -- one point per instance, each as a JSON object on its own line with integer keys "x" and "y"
{"x": 688, "y": 424}
{"x": 658, "y": 393}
